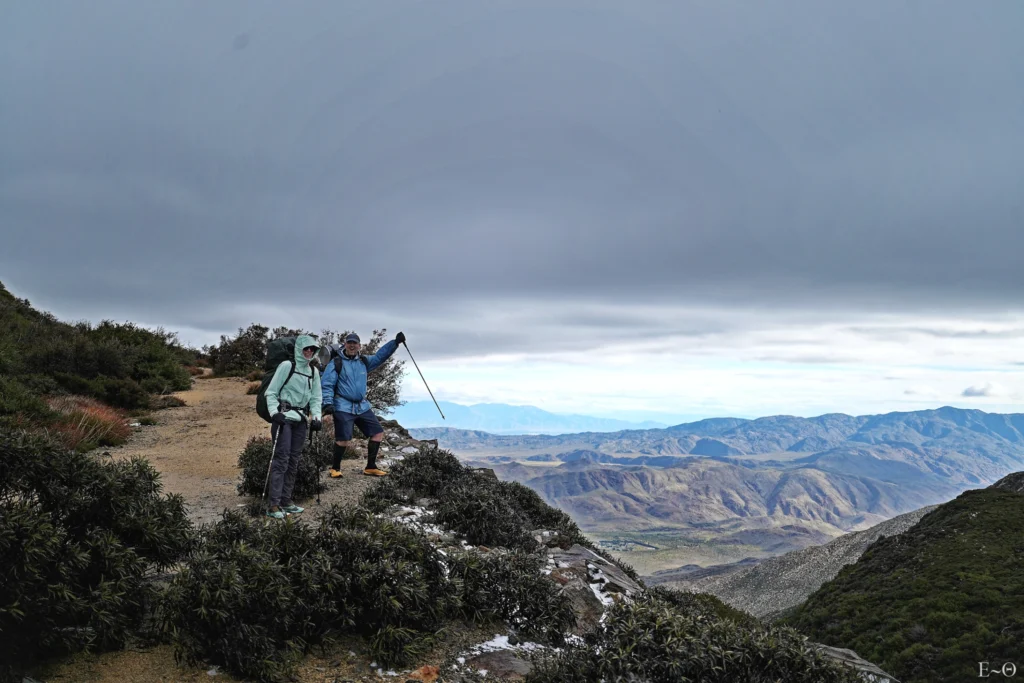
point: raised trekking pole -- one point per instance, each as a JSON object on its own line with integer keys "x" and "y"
{"x": 424, "y": 380}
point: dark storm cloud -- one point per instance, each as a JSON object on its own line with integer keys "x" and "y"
{"x": 192, "y": 162}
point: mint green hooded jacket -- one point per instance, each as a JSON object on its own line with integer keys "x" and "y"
{"x": 302, "y": 390}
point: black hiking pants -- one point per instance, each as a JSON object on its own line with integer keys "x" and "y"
{"x": 290, "y": 437}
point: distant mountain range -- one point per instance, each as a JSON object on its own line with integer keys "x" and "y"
{"x": 949, "y": 445}
{"x": 766, "y": 486}
{"x": 501, "y": 418}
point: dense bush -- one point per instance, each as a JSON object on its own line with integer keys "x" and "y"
{"x": 927, "y": 605}
{"x": 255, "y": 462}
{"x": 510, "y": 587}
{"x": 118, "y": 363}
{"x": 78, "y": 539}
{"x": 241, "y": 355}
{"x": 255, "y": 596}
{"x": 654, "y": 640}
{"x": 484, "y": 510}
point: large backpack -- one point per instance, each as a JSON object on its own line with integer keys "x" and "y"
{"x": 278, "y": 351}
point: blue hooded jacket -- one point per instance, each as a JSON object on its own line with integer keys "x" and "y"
{"x": 347, "y": 391}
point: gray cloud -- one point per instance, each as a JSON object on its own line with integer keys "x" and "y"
{"x": 403, "y": 162}
{"x": 979, "y": 391}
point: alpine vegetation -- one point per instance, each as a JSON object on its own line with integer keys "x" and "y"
{"x": 81, "y": 540}
{"x": 254, "y": 596}
{"x": 481, "y": 508}
{"x": 663, "y": 636}
{"x": 254, "y": 461}
{"x": 930, "y": 603}
{"x": 49, "y": 371}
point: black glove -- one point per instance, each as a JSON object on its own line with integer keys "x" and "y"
{"x": 315, "y": 424}
{"x": 279, "y": 419}
{"x": 400, "y": 338}
{"x": 327, "y": 410}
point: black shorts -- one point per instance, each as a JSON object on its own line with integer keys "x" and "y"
{"x": 343, "y": 422}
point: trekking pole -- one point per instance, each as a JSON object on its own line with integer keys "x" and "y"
{"x": 424, "y": 380}
{"x": 315, "y": 460}
{"x": 273, "y": 448}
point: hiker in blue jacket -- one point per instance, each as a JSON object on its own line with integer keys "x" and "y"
{"x": 344, "y": 400}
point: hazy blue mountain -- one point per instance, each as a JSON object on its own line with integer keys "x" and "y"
{"x": 962, "y": 447}
{"x": 501, "y": 418}
{"x": 779, "y": 478}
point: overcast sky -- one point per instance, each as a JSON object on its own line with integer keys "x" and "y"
{"x": 615, "y": 208}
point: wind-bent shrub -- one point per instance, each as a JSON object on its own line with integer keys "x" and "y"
{"x": 78, "y": 538}
{"x": 652, "y": 640}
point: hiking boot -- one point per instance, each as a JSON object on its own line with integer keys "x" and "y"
{"x": 375, "y": 472}
{"x": 276, "y": 514}
{"x": 334, "y": 473}
{"x": 292, "y": 509}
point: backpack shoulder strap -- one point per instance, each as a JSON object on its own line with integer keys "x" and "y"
{"x": 290, "y": 373}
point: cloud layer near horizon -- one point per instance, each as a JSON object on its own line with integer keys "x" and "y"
{"x": 558, "y": 174}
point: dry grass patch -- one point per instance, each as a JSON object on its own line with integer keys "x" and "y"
{"x": 85, "y": 423}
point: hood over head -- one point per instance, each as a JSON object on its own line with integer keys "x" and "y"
{"x": 301, "y": 342}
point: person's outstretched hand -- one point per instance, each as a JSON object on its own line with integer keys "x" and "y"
{"x": 400, "y": 337}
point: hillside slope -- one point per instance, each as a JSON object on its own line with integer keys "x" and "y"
{"x": 931, "y": 603}
{"x": 778, "y": 583}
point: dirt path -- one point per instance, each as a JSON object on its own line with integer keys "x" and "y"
{"x": 196, "y": 450}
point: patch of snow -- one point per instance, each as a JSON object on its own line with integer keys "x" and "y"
{"x": 601, "y": 595}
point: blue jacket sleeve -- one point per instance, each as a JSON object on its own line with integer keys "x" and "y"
{"x": 327, "y": 383}
{"x": 385, "y": 352}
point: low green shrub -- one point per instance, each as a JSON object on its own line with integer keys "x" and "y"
{"x": 653, "y": 640}
{"x": 482, "y": 509}
{"x": 928, "y": 604}
{"x": 255, "y": 462}
{"x": 509, "y": 586}
{"x": 254, "y": 596}
{"x": 16, "y": 398}
{"x": 702, "y": 606}
{"x": 79, "y": 539}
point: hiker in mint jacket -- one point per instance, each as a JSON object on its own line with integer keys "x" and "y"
{"x": 290, "y": 401}
{"x": 344, "y": 400}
